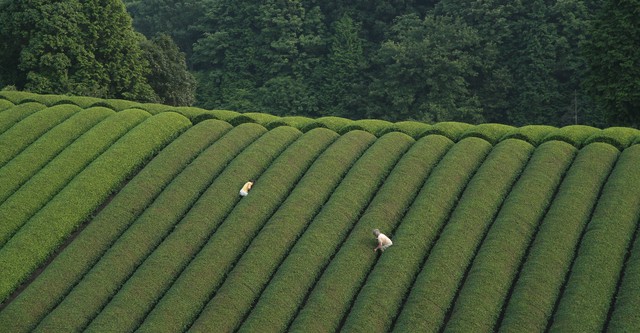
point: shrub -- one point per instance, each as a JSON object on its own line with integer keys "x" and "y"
{"x": 344, "y": 276}
{"x": 533, "y": 134}
{"x": 297, "y": 121}
{"x": 592, "y": 283}
{"x": 118, "y": 104}
{"x": 154, "y": 108}
{"x": 68, "y": 268}
{"x": 21, "y": 168}
{"x": 373, "y": 126}
{"x": 413, "y": 129}
{"x": 452, "y": 130}
{"x": 489, "y": 132}
{"x": 574, "y": 135}
{"x": 190, "y": 293}
{"x": 16, "y": 97}
{"x": 233, "y": 300}
{"x": 619, "y": 137}
{"x": 168, "y": 210}
{"x": 159, "y": 270}
{"x": 437, "y": 283}
{"x": 334, "y": 123}
{"x": 312, "y": 125}
{"x": 551, "y": 254}
{"x": 46, "y": 230}
{"x": 496, "y": 264}
{"x": 5, "y": 104}
{"x": 241, "y": 119}
{"x": 24, "y": 133}
{"x": 14, "y": 115}
{"x": 43, "y": 186}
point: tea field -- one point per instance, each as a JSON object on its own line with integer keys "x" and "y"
{"x": 117, "y": 216}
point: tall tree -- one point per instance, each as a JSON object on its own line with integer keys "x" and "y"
{"x": 424, "y": 71}
{"x": 84, "y": 48}
{"x": 614, "y": 60}
{"x": 169, "y": 76}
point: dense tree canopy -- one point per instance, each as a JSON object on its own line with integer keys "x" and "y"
{"x": 513, "y": 62}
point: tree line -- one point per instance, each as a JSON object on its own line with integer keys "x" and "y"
{"x": 513, "y": 62}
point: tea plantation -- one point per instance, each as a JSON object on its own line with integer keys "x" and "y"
{"x": 118, "y": 216}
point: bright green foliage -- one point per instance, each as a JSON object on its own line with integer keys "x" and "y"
{"x": 334, "y": 123}
{"x": 340, "y": 283}
{"x": 190, "y": 293}
{"x": 37, "y": 155}
{"x": 73, "y": 205}
{"x": 550, "y": 257}
{"x": 86, "y": 299}
{"x": 5, "y": 104}
{"x": 489, "y": 132}
{"x": 228, "y": 307}
{"x": 69, "y": 267}
{"x": 452, "y": 130}
{"x": 625, "y": 308}
{"x": 441, "y": 276}
{"x": 42, "y": 187}
{"x": 575, "y": 135}
{"x": 117, "y": 104}
{"x": 375, "y": 127}
{"x": 8, "y": 119}
{"x": 152, "y": 278}
{"x": 595, "y": 274}
{"x": 534, "y": 134}
{"x": 287, "y": 289}
{"x": 496, "y": 264}
{"x": 619, "y": 137}
{"x": 413, "y": 129}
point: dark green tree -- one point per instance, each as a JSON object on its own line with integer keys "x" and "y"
{"x": 424, "y": 71}
{"x": 72, "y": 47}
{"x": 169, "y": 76}
{"x": 614, "y": 61}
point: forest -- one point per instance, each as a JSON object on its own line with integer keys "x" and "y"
{"x": 512, "y": 62}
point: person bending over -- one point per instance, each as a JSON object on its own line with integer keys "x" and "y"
{"x": 383, "y": 241}
{"x": 244, "y": 191}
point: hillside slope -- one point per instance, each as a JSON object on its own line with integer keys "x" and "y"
{"x": 120, "y": 216}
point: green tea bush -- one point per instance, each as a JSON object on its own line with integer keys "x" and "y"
{"x": 625, "y": 310}
{"x": 551, "y": 254}
{"x": 591, "y": 286}
{"x": 21, "y": 168}
{"x": 154, "y": 108}
{"x": 46, "y": 230}
{"x": 234, "y": 299}
{"x": 413, "y": 129}
{"x": 156, "y": 274}
{"x": 68, "y": 268}
{"x": 14, "y": 115}
{"x": 452, "y": 130}
{"x": 118, "y": 104}
{"x": 83, "y": 101}
{"x": 288, "y": 288}
{"x": 43, "y": 186}
{"x": 619, "y": 137}
{"x": 241, "y": 119}
{"x": 373, "y": 126}
{"x": 344, "y": 276}
{"x": 436, "y": 285}
{"x": 164, "y": 216}
{"x": 575, "y": 135}
{"x": 186, "y": 298}
{"x": 16, "y": 97}
{"x": 489, "y": 132}
{"x": 312, "y": 125}
{"x": 334, "y": 123}
{"x": 6, "y": 104}
{"x": 297, "y": 122}
{"x": 533, "y": 134}
{"x": 496, "y": 264}
{"x": 24, "y": 133}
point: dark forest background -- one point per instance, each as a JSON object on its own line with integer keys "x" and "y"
{"x": 515, "y": 62}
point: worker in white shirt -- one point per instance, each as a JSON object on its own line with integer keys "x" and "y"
{"x": 383, "y": 241}
{"x": 244, "y": 191}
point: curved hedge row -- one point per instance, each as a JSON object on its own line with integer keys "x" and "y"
{"x": 591, "y": 287}
{"x": 5, "y": 104}
{"x": 496, "y": 264}
{"x": 339, "y": 284}
{"x": 34, "y": 157}
{"x": 287, "y": 289}
{"x": 435, "y": 287}
{"x": 68, "y": 268}
{"x": 188, "y": 295}
{"x": 551, "y": 254}
{"x": 106, "y": 277}
{"x": 43, "y": 186}
{"x": 245, "y": 282}
{"x": 73, "y": 205}
{"x": 576, "y": 135}
{"x": 17, "y": 113}
{"x": 157, "y": 273}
